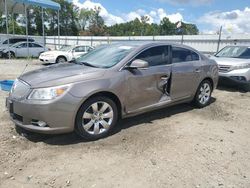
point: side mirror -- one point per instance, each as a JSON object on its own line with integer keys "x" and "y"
{"x": 138, "y": 64}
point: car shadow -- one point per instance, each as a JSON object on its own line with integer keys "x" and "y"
{"x": 73, "y": 138}
{"x": 231, "y": 88}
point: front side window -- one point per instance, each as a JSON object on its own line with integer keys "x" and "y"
{"x": 155, "y": 56}
{"x": 183, "y": 55}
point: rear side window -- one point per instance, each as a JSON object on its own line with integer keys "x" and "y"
{"x": 23, "y": 45}
{"x": 33, "y": 45}
{"x": 155, "y": 56}
{"x": 183, "y": 55}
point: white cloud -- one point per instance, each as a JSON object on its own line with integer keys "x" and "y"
{"x": 155, "y": 16}
{"x": 235, "y": 21}
{"x": 193, "y": 2}
{"x": 109, "y": 19}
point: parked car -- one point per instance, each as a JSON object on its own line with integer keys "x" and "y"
{"x": 5, "y": 43}
{"x": 234, "y": 65}
{"x": 21, "y": 49}
{"x": 64, "y": 54}
{"x": 110, "y": 82}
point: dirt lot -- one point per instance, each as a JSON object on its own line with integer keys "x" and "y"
{"x": 175, "y": 147}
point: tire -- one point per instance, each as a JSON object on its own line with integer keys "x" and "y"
{"x": 246, "y": 88}
{"x": 61, "y": 59}
{"x": 203, "y": 94}
{"x": 10, "y": 55}
{"x": 91, "y": 123}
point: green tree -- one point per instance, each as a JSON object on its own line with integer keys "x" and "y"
{"x": 96, "y": 23}
{"x": 167, "y": 27}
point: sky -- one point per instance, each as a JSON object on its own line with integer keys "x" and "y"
{"x": 208, "y": 15}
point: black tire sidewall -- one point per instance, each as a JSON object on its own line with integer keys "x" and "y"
{"x": 60, "y": 57}
{"x": 196, "y": 99}
{"x": 78, "y": 122}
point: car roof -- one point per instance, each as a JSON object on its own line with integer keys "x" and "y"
{"x": 145, "y": 44}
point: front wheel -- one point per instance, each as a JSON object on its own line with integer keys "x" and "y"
{"x": 96, "y": 118}
{"x": 10, "y": 55}
{"x": 203, "y": 94}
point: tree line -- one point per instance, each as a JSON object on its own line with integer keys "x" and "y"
{"x": 84, "y": 22}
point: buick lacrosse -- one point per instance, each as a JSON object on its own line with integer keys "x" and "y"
{"x": 114, "y": 81}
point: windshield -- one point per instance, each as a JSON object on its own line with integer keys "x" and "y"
{"x": 105, "y": 56}
{"x": 234, "y": 52}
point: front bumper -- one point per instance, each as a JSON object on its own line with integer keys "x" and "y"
{"x": 59, "y": 115}
{"x": 47, "y": 59}
{"x": 236, "y": 77}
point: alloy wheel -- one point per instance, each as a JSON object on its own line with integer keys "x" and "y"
{"x": 98, "y": 118}
{"x": 205, "y": 93}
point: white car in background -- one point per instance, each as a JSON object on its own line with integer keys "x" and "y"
{"x": 64, "y": 54}
{"x": 21, "y": 49}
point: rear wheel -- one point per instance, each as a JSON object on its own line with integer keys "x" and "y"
{"x": 96, "y": 118}
{"x": 203, "y": 94}
{"x": 61, "y": 59}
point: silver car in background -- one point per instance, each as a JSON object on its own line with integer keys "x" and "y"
{"x": 24, "y": 49}
{"x": 114, "y": 81}
{"x": 234, "y": 65}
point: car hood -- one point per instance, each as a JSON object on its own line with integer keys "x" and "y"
{"x": 61, "y": 74}
{"x": 230, "y": 61}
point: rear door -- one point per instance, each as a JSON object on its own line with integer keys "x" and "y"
{"x": 186, "y": 70}
{"x": 146, "y": 87}
{"x": 35, "y": 49}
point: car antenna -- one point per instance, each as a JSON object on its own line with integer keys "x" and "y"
{"x": 27, "y": 64}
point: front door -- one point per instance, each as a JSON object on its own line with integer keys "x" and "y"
{"x": 149, "y": 86}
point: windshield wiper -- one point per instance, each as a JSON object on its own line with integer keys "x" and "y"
{"x": 87, "y": 64}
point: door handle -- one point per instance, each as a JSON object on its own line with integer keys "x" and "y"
{"x": 197, "y": 70}
{"x": 165, "y": 77}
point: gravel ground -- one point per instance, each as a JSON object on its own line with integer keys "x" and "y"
{"x": 175, "y": 147}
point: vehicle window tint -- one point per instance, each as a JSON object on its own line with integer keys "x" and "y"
{"x": 23, "y": 45}
{"x": 34, "y": 45}
{"x": 155, "y": 56}
{"x": 88, "y": 49}
{"x": 195, "y": 56}
{"x": 183, "y": 55}
{"x": 246, "y": 54}
{"x": 80, "y": 49}
{"x": 12, "y": 41}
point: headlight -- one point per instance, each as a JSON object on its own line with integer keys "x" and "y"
{"x": 243, "y": 66}
{"x": 13, "y": 86}
{"x": 48, "y": 93}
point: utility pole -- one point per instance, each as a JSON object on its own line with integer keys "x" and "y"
{"x": 218, "y": 45}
